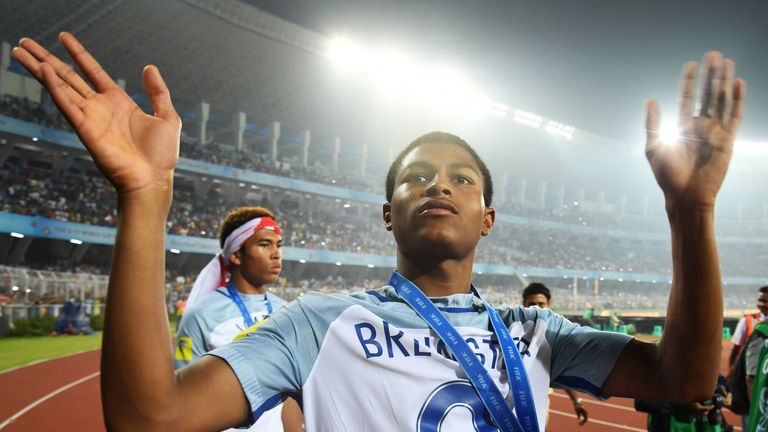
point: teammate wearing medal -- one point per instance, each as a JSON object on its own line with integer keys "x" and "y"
{"x": 230, "y": 294}
{"x": 393, "y": 359}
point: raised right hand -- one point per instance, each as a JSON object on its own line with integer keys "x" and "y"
{"x": 134, "y": 150}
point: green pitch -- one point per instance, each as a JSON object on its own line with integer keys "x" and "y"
{"x": 17, "y": 351}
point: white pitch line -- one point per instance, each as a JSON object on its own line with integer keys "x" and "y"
{"x": 46, "y": 360}
{"x": 605, "y": 404}
{"x": 592, "y": 420}
{"x": 12, "y": 418}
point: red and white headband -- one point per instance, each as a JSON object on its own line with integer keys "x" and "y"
{"x": 214, "y": 274}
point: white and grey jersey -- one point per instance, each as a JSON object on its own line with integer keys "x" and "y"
{"x": 366, "y": 361}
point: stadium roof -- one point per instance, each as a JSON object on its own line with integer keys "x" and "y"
{"x": 588, "y": 64}
{"x": 227, "y": 53}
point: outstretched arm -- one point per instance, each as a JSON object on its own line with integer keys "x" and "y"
{"x": 683, "y": 366}
{"x": 137, "y": 152}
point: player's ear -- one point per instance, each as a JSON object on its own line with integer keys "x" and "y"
{"x": 235, "y": 258}
{"x": 488, "y": 220}
{"x": 386, "y": 213}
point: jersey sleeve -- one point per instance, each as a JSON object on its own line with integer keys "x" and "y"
{"x": 582, "y": 357}
{"x": 273, "y": 361}
{"x": 740, "y": 333}
{"x": 190, "y": 340}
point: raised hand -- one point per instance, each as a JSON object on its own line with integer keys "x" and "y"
{"x": 132, "y": 149}
{"x": 691, "y": 171}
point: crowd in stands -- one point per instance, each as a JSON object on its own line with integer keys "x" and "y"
{"x": 220, "y": 154}
{"x": 78, "y": 197}
{"x": 216, "y": 153}
{"x": 81, "y": 198}
{"x": 24, "y": 109}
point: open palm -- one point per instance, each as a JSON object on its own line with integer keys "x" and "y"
{"x": 691, "y": 170}
{"x": 133, "y": 149}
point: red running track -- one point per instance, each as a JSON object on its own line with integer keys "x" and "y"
{"x": 63, "y": 395}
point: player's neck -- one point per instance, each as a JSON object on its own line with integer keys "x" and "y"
{"x": 245, "y": 287}
{"x": 439, "y": 279}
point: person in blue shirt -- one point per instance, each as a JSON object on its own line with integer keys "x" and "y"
{"x": 405, "y": 356}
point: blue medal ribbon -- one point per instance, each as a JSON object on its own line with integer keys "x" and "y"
{"x": 481, "y": 380}
{"x": 235, "y": 296}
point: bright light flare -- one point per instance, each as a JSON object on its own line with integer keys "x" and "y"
{"x": 669, "y": 133}
{"x": 347, "y": 53}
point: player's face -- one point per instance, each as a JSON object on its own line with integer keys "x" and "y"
{"x": 437, "y": 209}
{"x": 539, "y": 300}
{"x": 762, "y": 303}
{"x": 260, "y": 258}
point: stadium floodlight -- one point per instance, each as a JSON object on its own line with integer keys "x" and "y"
{"x": 526, "y": 118}
{"x": 14, "y": 288}
{"x": 669, "y": 133}
{"x": 560, "y": 129}
{"x": 498, "y": 109}
{"x": 76, "y": 241}
{"x": 347, "y": 53}
{"x": 17, "y": 235}
{"x": 174, "y": 251}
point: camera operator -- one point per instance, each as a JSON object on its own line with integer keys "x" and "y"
{"x": 703, "y": 416}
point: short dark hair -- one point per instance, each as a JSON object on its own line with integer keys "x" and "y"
{"x": 438, "y": 137}
{"x": 536, "y": 288}
{"x": 763, "y": 289}
{"x": 237, "y": 218}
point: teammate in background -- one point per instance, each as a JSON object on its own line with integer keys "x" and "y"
{"x": 537, "y": 294}
{"x": 369, "y": 361}
{"x": 230, "y": 295}
{"x": 747, "y": 323}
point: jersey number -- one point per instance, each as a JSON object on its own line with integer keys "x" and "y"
{"x": 450, "y": 395}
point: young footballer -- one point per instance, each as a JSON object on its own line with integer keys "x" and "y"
{"x": 230, "y": 295}
{"x": 425, "y": 352}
